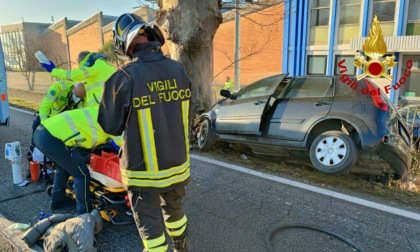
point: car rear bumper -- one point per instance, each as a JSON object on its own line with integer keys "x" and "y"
{"x": 396, "y": 152}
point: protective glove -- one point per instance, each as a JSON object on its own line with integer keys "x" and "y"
{"x": 48, "y": 67}
{"x": 114, "y": 145}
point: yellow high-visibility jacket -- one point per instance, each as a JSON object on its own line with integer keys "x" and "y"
{"x": 229, "y": 86}
{"x": 77, "y": 127}
{"x": 56, "y": 99}
{"x": 93, "y": 71}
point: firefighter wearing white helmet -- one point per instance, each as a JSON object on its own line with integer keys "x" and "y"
{"x": 130, "y": 26}
{"x": 148, "y": 99}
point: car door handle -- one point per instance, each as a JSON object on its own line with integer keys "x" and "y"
{"x": 322, "y": 103}
{"x": 259, "y": 102}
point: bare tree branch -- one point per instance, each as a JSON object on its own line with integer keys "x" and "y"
{"x": 260, "y": 24}
{"x": 225, "y": 54}
{"x": 23, "y": 49}
{"x": 250, "y": 54}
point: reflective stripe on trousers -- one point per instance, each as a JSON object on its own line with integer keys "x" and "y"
{"x": 148, "y": 207}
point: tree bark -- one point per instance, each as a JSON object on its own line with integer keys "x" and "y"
{"x": 190, "y": 26}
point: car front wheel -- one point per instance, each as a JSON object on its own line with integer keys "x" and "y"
{"x": 333, "y": 152}
{"x": 205, "y": 136}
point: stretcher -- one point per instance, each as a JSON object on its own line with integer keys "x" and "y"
{"x": 108, "y": 195}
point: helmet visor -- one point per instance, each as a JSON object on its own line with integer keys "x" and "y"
{"x": 123, "y": 23}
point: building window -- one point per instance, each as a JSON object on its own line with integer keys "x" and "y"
{"x": 320, "y": 15}
{"x": 349, "y": 23}
{"x": 385, "y": 11}
{"x": 413, "y": 19}
{"x": 410, "y": 91}
{"x": 348, "y": 63}
{"x": 317, "y": 64}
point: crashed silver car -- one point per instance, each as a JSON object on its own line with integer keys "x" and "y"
{"x": 338, "y": 126}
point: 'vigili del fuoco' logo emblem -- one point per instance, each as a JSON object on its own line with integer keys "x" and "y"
{"x": 375, "y": 48}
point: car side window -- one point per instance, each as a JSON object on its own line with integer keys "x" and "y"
{"x": 344, "y": 89}
{"x": 259, "y": 88}
{"x": 310, "y": 87}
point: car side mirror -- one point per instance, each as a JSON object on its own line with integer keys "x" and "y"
{"x": 225, "y": 93}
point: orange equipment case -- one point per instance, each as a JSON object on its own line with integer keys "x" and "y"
{"x": 107, "y": 164}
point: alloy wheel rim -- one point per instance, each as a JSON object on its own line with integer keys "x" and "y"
{"x": 202, "y": 133}
{"x": 331, "y": 151}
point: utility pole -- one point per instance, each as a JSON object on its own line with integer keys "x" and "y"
{"x": 237, "y": 44}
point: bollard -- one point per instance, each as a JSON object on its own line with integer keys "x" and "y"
{"x": 17, "y": 171}
{"x": 14, "y": 154}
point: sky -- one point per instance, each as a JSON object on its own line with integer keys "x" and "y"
{"x": 12, "y": 11}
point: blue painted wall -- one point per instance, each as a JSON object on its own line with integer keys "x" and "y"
{"x": 400, "y": 29}
{"x": 295, "y": 37}
{"x": 331, "y": 43}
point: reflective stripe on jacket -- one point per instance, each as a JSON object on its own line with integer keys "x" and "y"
{"x": 77, "y": 127}
{"x": 149, "y": 100}
{"x": 56, "y": 99}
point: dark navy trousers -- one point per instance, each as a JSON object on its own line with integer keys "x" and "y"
{"x": 69, "y": 162}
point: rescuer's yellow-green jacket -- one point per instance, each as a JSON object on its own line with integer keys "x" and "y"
{"x": 77, "y": 127}
{"x": 229, "y": 86}
{"x": 57, "y": 99}
{"x": 93, "y": 71}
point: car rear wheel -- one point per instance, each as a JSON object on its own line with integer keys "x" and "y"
{"x": 333, "y": 152}
{"x": 205, "y": 136}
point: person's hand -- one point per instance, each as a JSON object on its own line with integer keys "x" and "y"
{"x": 49, "y": 67}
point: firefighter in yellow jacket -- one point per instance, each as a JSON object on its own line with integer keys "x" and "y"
{"x": 93, "y": 71}
{"x": 149, "y": 100}
{"x": 63, "y": 138}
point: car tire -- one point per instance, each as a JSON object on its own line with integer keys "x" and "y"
{"x": 205, "y": 136}
{"x": 333, "y": 152}
{"x": 49, "y": 190}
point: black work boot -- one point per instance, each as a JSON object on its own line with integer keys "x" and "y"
{"x": 65, "y": 202}
{"x": 180, "y": 242}
{"x": 29, "y": 156}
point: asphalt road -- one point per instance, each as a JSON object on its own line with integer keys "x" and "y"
{"x": 231, "y": 210}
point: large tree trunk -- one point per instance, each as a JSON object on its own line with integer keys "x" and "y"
{"x": 190, "y": 26}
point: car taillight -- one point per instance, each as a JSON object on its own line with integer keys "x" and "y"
{"x": 376, "y": 95}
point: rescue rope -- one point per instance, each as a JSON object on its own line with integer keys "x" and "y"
{"x": 277, "y": 229}
{"x": 23, "y": 195}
